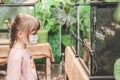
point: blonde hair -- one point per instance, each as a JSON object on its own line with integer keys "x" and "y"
{"x": 23, "y": 22}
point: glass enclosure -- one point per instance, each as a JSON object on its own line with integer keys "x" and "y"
{"x": 100, "y": 24}
{"x": 7, "y": 13}
{"x": 105, "y": 37}
{"x": 82, "y": 16}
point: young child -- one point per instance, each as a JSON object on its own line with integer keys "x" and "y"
{"x": 20, "y": 65}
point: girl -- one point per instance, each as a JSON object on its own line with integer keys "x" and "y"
{"x": 20, "y": 65}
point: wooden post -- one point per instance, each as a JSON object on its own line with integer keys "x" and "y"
{"x": 48, "y": 69}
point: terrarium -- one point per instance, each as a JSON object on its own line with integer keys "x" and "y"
{"x": 105, "y": 39}
{"x": 8, "y": 12}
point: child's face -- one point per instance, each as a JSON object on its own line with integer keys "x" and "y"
{"x": 25, "y": 36}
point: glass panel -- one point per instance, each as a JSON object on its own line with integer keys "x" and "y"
{"x": 84, "y": 18}
{"x": 107, "y": 45}
{"x": 7, "y": 14}
{"x": 84, "y": 26}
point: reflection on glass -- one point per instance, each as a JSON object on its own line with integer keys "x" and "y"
{"x": 107, "y": 45}
{"x": 7, "y": 13}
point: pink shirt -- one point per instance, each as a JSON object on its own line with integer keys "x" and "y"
{"x": 20, "y": 65}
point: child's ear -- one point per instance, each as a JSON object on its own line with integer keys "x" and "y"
{"x": 20, "y": 34}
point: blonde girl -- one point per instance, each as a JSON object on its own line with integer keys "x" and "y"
{"x": 20, "y": 65}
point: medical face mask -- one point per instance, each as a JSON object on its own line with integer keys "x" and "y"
{"x": 33, "y": 38}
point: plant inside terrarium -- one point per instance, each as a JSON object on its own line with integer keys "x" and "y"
{"x": 65, "y": 16}
{"x": 49, "y": 24}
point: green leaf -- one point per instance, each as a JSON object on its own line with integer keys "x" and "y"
{"x": 116, "y": 14}
{"x": 87, "y": 22}
{"x": 64, "y": 16}
{"x": 82, "y": 27}
{"x": 70, "y": 20}
{"x": 66, "y": 40}
{"x": 47, "y": 26}
{"x": 117, "y": 70}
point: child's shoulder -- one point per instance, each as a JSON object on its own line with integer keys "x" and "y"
{"x": 18, "y": 52}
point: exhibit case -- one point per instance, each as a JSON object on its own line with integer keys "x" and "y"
{"x": 104, "y": 30}
{"x": 105, "y": 37}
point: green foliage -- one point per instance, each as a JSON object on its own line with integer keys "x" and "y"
{"x": 77, "y": 1}
{"x": 51, "y": 25}
{"x": 84, "y": 24}
{"x": 7, "y": 12}
{"x": 52, "y": 15}
{"x": 42, "y": 60}
{"x": 85, "y": 21}
{"x": 116, "y": 15}
{"x": 65, "y": 16}
{"x": 66, "y": 39}
{"x": 7, "y": 1}
{"x": 43, "y": 13}
{"x": 55, "y": 41}
{"x": 1, "y": 21}
{"x": 117, "y": 70}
